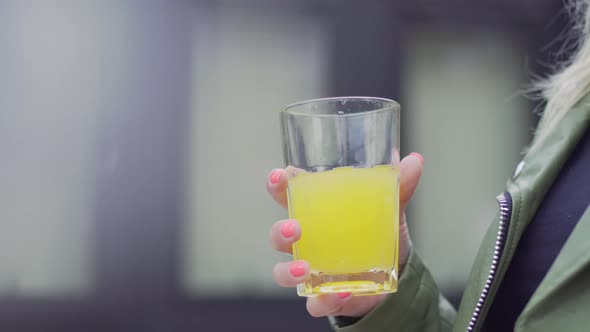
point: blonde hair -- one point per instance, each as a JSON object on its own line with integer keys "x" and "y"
{"x": 571, "y": 82}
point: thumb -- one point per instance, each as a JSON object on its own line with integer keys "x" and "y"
{"x": 410, "y": 172}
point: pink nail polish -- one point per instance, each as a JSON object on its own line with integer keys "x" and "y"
{"x": 343, "y": 295}
{"x": 297, "y": 269}
{"x": 288, "y": 229}
{"x": 275, "y": 176}
{"x": 417, "y": 155}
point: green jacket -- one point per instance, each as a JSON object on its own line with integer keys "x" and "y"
{"x": 562, "y": 300}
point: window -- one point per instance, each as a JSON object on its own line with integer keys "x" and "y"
{"x": 249, "y": 63}
{"x": 461, "y": 90}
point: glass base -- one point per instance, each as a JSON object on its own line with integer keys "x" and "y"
{"x": 363, "y": 283}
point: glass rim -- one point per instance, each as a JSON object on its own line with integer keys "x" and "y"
{"x": 393, "y": 106}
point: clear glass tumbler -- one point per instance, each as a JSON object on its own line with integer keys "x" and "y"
{"x": 342, "y": 158}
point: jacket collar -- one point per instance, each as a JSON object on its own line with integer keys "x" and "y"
{"x": 540, "y": 169}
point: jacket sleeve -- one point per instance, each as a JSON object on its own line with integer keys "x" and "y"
{"x": 417, "y": 306}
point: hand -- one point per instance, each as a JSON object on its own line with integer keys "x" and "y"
{"x": 286, "y": 232}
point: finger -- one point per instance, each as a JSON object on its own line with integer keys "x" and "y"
{"x": 405, "y": 242}
{"x": 290, "y": 274}
{"x": 410, "y": 172}
{"x": 328, "y": 304}
{"x": 277, "y": 182}
{"x": 359, "y": 306}
{"x": 276, "y": 185}
{"x": 283, "y": 234}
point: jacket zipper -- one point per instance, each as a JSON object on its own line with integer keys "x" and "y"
{"x": 505, "y": 202}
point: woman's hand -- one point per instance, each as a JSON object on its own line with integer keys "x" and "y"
{"x": 286, "y": 232}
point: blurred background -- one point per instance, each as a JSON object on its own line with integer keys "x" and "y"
{"x": 136, "y": 137}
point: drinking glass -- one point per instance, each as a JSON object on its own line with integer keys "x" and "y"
{"x": 342, "y": 158}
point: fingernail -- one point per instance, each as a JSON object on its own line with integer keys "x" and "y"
{"x": 297, "y": 269}
{"x": 417, "y": 155}
{"x": 288, "y": 229}
{"x": 343, "y": 295}
{"x": 275, "y": 176}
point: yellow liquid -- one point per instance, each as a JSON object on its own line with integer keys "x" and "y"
{"x": 349, "y": 221}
